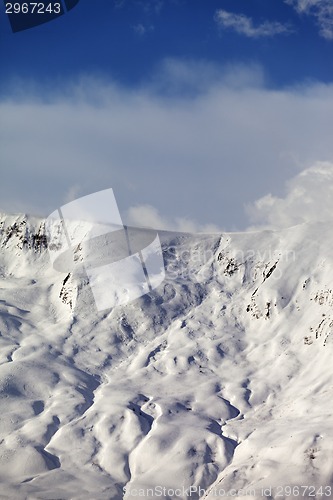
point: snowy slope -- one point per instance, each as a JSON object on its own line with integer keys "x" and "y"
{"x": 221, "y": 379}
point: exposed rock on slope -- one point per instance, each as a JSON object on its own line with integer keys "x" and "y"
{"x": 220, "y": 379}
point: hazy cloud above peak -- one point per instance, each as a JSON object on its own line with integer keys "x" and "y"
{"x": 308, "y": 197}
{"x": 195, "y": 158}
{"x": 148, "y": 216}
{"x": 244, "y": 25}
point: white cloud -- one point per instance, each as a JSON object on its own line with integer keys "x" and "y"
{"x": 148, "y": 216}
{"x": 309, "y": 197}
{"x": 321, "y": 9}
{"x": 195, "y": 156}
{"x": 244, "y": 25}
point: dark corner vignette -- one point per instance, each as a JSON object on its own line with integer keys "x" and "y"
{"x": 24, "y": 15}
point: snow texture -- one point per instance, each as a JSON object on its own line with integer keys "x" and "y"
{"x": 219, "y": 379}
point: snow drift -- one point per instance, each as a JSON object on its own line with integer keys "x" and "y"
{"x": 220, "y": 379}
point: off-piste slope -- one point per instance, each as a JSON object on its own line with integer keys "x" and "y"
{"x": 221, "y": 379}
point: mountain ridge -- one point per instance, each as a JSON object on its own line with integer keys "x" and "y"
{"x": 219, "y": 378}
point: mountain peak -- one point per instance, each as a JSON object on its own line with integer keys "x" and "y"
{"x": 217, "y": 379}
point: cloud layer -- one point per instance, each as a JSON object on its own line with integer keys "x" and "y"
{"x": 195, "y": 156}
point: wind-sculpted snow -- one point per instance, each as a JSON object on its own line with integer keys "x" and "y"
{"x": 221, "y": 379}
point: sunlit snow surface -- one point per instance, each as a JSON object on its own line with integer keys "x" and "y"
{"x": 222, "y": 378}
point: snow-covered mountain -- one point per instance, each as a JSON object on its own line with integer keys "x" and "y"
{"x": 217, "y": 383}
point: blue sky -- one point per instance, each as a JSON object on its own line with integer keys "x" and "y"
{"x": 127, "y": 40}
{"x": 191, "y": 110}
